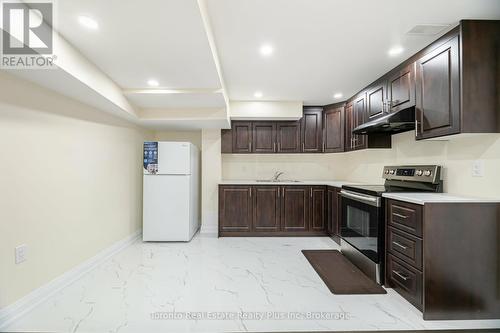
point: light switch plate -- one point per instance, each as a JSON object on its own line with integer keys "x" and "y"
{"x": 21, "y": 252}
{"x": 478, "y": 168}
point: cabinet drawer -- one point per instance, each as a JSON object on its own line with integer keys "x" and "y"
{"x": 405, "y": 246}
{"x": 405, "y": 216}
{"x": 405, "y": 280}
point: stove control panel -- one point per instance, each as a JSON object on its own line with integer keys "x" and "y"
{"x": 417, "y": 173}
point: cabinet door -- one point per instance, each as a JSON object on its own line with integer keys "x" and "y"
{"x": 375, "y": 100}
{"x": 401, "y": 89}
{"x": 295, "y": 208}
{"x": 333, "y": 135}
{"x": 264, "y": 137}
{"x": 235, "y": 208}
{"x": 266, "y": 214}
{"x": 438, "y": 92}
{"x": 359, "y": 113}
{"x": 312, "y": 130}
{"x": 332, "y": 207}
{"x": 288, "y": 137}
{"x": 226, "y": 143}
{"x": 349, "y": 122}
{"x": 242, "y": 137}
{"x": 318, "y": 208}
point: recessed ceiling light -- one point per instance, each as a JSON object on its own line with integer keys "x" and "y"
{"x": 258, "y": 94}
{"x": 337, "y": 95}
{"x": 88, "y": 22}
{"x": 153, "y": 83}
{"x": 266, "y": 50}
{"x": 396, "y": 50}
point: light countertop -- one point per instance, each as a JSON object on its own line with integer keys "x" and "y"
{"x": 423, "y": 198}
{"x": 334, "y": 183}
{"x": 418, "y": 198}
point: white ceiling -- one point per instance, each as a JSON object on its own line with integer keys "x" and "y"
{"x": 323, "y": 46}
{"x": 177, "y": 100}
{"x": 142, "y": 39}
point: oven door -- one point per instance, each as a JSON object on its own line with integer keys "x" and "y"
{"x": 361, "y": 224}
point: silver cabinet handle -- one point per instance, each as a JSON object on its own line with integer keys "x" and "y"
{"x": 274, "y": 146}
{"x": 400, "y": 216}
{"x": 311, "y": 192}
{"x": 279, "y": 192}
{"x": 303, "y": 147}
{"x": 373, "y": 201}
{"x": 250, "y": 192}
{"x": 250, "y": 146}
{"x": 400, "y": 245}
{"x": 403, "y": 277}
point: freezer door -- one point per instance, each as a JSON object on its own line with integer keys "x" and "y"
{"x": 166, "y": 208}
{"x": 174, "y": 158}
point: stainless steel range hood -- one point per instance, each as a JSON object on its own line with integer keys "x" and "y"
{"x": 392, "y": 123}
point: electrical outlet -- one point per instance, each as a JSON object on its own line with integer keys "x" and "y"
{"x": 21, "y": 252}
{"x": 478, "y": 168}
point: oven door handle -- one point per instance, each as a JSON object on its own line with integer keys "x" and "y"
{"x": 372, "y": 201}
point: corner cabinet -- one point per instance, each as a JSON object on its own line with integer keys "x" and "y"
{"x": 272, "y": 210}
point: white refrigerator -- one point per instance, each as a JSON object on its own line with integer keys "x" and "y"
{"x": 170, "y": 191}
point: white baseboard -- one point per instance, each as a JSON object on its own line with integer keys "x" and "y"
{"x": 19, "y": 308}
{"x": 209, "y": 229}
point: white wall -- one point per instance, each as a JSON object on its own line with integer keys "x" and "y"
{"x": 70, "y": 184}
{"x": 188, "y": 136}
{"x": 211, "y": 165}
{"x": 456, "y": 156}
{"x": 265, "y": 110}
{"x": 294, "y": 166}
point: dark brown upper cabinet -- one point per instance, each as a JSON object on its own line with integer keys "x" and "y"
{"x": 242, "y": 137}
{"x": 359, "y": 117}
{"x": 457, "y": 82}
{"x": 333, "y": 132}
{"x": 266, "y": 211}
{"x": 349, "y": 126}
{"x": 288, "y": 137}
{"x": 312, "y": 130}
{"x": 376, "y": 100}
{"x": 438, "y": 91}
{"x": 226, "y": 145}
{"x": 264, "y": 137}
{"x": 401, "y": 88}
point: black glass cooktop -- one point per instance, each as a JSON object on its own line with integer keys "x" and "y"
{"x": 375, "y": 189}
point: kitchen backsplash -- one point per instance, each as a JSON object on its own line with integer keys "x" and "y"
{"x": 456, "y": 156}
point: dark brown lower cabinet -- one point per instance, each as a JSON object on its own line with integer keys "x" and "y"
{"x": 444, "y": 258}
{"x": 295, "y": 208}
{"x": 235, "y": 208}
{"x": 318, "y": 208}
{"x": 267, "y": 210}
{"x": 333, "y": 213}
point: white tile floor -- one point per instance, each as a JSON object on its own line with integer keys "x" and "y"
{"x": 249, "y": 276}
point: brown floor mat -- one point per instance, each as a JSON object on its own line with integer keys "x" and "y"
{"x": 340, "y": 275}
